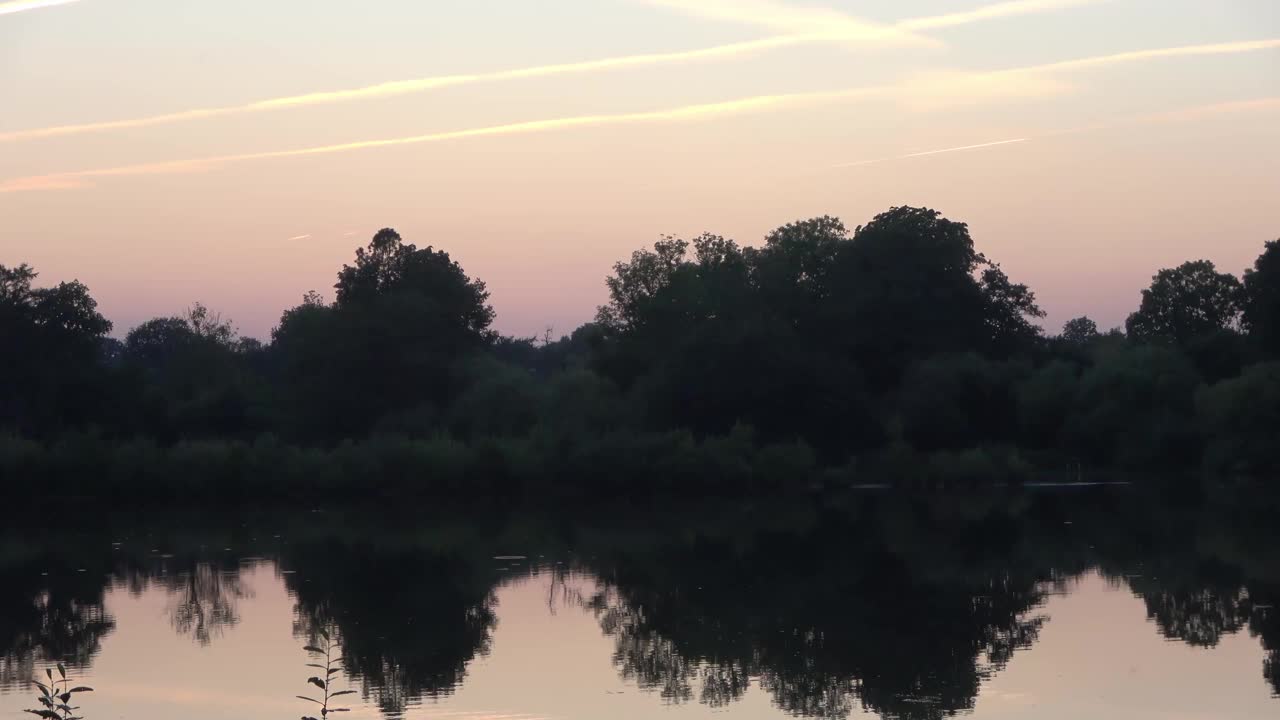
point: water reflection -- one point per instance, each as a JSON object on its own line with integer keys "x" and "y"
{"x": 410, "y": 618}
{"x": 903, "y": 608}
{"x": 50, "y": 609}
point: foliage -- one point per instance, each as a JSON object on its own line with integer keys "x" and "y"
{"x": 1240, "y": 416}
{"x": 1185, "y": 303}
{"x": 1262, "y": 299}
{"x": 51, "y": 369}
{"x": 55, "y": 697}
{"x": 1080, "y": 331}
{"x": 893, "y": 351}
{"x": 325, "y": 683}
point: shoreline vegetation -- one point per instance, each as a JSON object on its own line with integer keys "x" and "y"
{"x": 823, "y": 358}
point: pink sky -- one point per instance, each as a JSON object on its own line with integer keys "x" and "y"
{"x": 236, "y": 153}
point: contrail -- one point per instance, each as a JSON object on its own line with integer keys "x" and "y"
{"x": 79, "y": 179}
{"x": 76, "y": 179}
{"x": 789, "y": 18}
{"x": 992, "y": 12}
{"x": 299, "y": 237}
{"x": 404, "y": 87}
{"x": 1226, "y": 48}
{"x": 1147, "y": 118}
{"x": 423, "y": 84}
{"x": 17, "y": 6}
{"x": 933, "y": 152}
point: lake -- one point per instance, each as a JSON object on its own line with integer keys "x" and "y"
{"x": 1093, "y": 603}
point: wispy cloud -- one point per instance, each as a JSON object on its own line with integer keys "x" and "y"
{"x": 415, "y": 85}
{"x": 927, "y": 91}
{"x": 807, "y": 28}
{"x": 1190, "y": 113}
{"x": 996, "y": 11}
{"x": 1227, "y": 48}
{"x": 17, "y": 6}
{"x": 962, "y": 148}
{"x": 794, "y": 19}
{"x": 299, "y": 237}
{"x": 81, "y": 178}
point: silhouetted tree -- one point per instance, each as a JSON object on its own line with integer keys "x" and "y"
{"x": 51, "y": 370}
{"x": 403, "y": 320}
{"x": 1185, "y": 303}
{"x": 1080, "y": 331}
{"x": 197, "y": 377}
{"x": 1262, "y": 299}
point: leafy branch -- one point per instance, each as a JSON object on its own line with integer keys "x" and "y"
{"x": 324, "y": 683}
{"x": 56, "y": 696}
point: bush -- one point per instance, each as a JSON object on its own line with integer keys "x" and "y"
{"x": 1240, "y": 417}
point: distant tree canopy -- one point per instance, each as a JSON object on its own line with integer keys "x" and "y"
{"x": 1185, "y": 303}
{"x": 1080, "y": 331}
{"x": 896, "y": 347}
{"x": 787, "y": 337}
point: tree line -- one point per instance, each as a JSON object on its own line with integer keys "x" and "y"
{"x": 893, "y": 351}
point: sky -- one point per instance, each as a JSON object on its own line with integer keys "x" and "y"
{"x": 236, "y": 152}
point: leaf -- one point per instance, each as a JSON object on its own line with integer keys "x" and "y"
{"x": 312, "y": 648}
{"x": 317, "y": 682}
{"x": 307, "y": 717}
{"x": 314, "y": 665}
{"x": 82, "y": 688}
{"x": 339, "y": 710}
{"x": 62, "y": 671}
{"x": 43, "y": 688}
{"x": 44, "y": 713}
{"x": 65, "y": 697}
{"x": 304, "y": 697}
{"x": 331, "y": 671}
{"x": 49, "y": 672}
{"x": 343, "y": 692}
{"x": 324, "y": 634}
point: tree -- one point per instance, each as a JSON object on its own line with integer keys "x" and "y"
{"x": 1134, "y": 409}
{"x": 1186, "y": 303}
{"x": 1240, "y": 416}
{"x": 910, "y": 285}
{"x": 51, "y": 374}
{"x": 388, "y": 268}
{"x": 392, "y": 342}
{"x": 1080, "y": 331}
{"x": 196, "y": 376}
{"x": 1262, "y": 299}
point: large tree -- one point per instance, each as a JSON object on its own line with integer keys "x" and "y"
{"x": 1187, "y": 303}
{"x": 1262, "y": 299}
{"x": 51, "y": 374}
{"x": 910, "y": 284}
{"x": 390, "y": 344}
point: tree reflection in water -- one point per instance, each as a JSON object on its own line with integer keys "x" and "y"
{"x": 410, "y": 619}
{"x": 902, "y": 607}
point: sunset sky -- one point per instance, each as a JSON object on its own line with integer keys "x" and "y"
{"x": 235, "y": 152}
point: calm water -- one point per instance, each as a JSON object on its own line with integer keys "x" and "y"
{"x": 1082, "y": 604}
